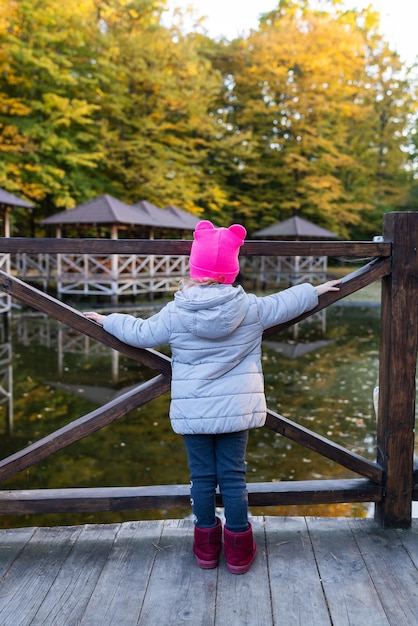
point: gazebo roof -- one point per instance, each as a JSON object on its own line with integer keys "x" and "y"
{"x": 159, "y": 218}
{"x": 188, "y": 220}
{"x": 111, "y": 211}
{"x": 102, "y": 210}
{"x": 8, "y": 199}
{"x": 295, "y": 228}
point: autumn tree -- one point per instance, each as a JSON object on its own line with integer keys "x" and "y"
{"x": 100, "y": 97}
{"x": 306, "y": 115}
{"x": 49, "y": 138}
{"x": 321, "y": 108}
{"x": 157, "y": 90}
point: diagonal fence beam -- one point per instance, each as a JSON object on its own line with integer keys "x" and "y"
{"x": 323, "y": 446}
{"x": 376, "y": 269}
{"x": 74, "y": 319}
{"x": 83, "y": 427}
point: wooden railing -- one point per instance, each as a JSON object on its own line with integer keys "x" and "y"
{"x": 390, "y": 482}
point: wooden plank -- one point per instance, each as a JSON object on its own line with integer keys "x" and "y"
{"x": 77, "y": 577}
{"x": 349, "y": 590}
{"x": 313, "y": 492}
{"x": 12, "y": 542}
{"x": 182, "y": 247}
{"x": 351, "y": 283}
{"x": 409, "y": 539}
{"x": 360, "y": 249}
{"x": 245, "y": 600}
{"x": 308, "y": 571}
{"x": 178, "y": 590}
{"x": 324, "y": 447}
{"x": 74, "y": 319}
{"x": 397, "y": 370}
{"x": 95, "y": 499}
{"x": 119, "y": 593}
{"x": 32, "y": 574}
{"x": 394, "y": 575}
{"x": 296, "y": 591}
{"x": 84, "y": 426}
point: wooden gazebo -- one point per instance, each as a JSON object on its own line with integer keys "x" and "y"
{"x": 8, "y": 201}
{"x": 106, "y": 215}
{"x": 295, "y": 229}
{"x": 117, "y": 274}
{"x": 295, "y": 269}
{"x": 270, "y": 271}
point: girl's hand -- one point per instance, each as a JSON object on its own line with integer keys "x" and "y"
{"x": 331, "y": 285}
{"x": 95, "y": 317}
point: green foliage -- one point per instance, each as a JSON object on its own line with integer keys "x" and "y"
{"x": 50, "y": 82}
{"x": 312, "y": 114}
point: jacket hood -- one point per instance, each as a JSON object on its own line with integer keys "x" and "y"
{"x": 211, "y": 311}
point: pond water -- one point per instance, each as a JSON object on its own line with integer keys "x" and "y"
{"x": 323, "y": 378}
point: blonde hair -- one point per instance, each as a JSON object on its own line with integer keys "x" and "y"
{"x": 187, "y": 282}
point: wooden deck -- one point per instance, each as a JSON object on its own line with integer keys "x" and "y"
{"x": 308, "y": 571}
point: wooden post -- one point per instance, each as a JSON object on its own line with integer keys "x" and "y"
{"x": 397, "y": 371}
{"x": 115, "y": 267}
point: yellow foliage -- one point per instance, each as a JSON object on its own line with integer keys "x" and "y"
{"x": 308, "y": 113}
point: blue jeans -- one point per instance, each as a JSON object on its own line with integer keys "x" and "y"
{"x": 218, "y": 460}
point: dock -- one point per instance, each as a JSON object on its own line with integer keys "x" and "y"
{"x": 308, "y": 572}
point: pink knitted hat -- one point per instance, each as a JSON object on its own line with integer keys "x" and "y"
{"x": 215, "y": 252}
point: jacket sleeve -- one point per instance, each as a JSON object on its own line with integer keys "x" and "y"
{"x": 137, "y": 332}
{"x": 286, "y": 305}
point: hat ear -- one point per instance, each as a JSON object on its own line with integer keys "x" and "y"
{"x": 238, "y": 230}
{"x": 204, "y": 225}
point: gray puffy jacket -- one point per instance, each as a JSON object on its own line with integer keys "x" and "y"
{"x": 215, "y": 336}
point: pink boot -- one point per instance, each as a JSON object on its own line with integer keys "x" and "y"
{"x": 207, "y": 545}
{"x": 240, "y": 550}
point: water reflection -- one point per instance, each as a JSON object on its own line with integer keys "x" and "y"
{"x": 6, "y": 378}
{"x": 56, "y": 375}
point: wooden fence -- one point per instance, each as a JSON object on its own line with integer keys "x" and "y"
{"x": 390, "y": 481}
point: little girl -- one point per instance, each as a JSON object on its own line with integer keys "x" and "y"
{"x": 217, "y": 391}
